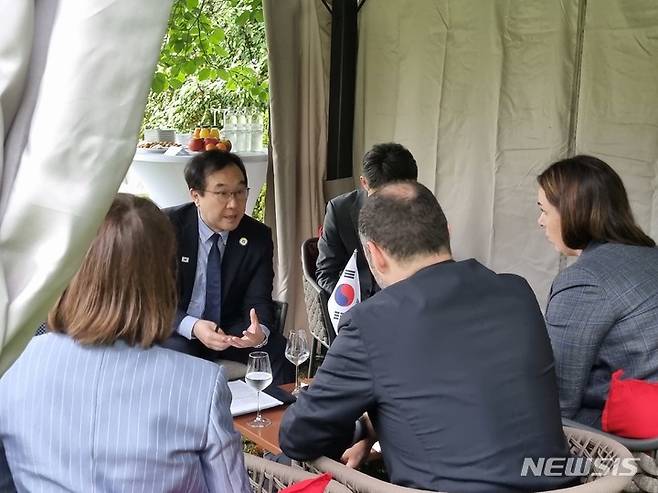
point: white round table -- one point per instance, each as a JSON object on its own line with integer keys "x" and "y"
{"x": 161, "y": 177}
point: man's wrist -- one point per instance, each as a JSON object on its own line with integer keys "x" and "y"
{"x": 186, "y": 325}
{"x": 264, "y": 343}
{"x": 266, "y": 333}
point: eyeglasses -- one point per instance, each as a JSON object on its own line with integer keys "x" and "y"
{"x": 224, "y": 197}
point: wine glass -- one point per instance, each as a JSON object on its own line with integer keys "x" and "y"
{"x": 297, "y": 352}
{"x": 258, "y": 377}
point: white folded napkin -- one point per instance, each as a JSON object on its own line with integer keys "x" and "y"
{"x": 245, "y": 399}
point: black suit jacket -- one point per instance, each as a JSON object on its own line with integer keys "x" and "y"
{"x": 455, "y": 369}
{"x": 247, "y": 270}
{"x": 339, "y": 240}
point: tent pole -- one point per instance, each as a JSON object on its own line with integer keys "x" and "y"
{"x": 342, "y": 84}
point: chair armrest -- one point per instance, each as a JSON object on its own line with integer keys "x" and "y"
{"x": 632, "y": 444}
{"x": 358, "y": 482}
{"x": 263, "y": 472}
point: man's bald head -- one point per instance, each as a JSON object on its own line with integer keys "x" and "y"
{"x": 405, "y": 219}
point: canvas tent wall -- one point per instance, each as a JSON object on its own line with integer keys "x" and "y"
{"x": 485, "y": 93}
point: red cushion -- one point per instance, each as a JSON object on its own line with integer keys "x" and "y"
{"x": 632, "y": 408}
{"x": 313, "y": 485}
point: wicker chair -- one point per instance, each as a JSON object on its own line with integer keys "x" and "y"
{"x": 41, "y": 329}
{"x": 646, "y": 451}
{"x": 269, "y": 477}
{"x": 315, "y": 300}
{"x": 582, "y": 443}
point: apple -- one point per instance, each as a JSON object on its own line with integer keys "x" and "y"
{"x": 195, "y": 145}
{"x": 210, "y": 140}
{"x": 226, "y": 144}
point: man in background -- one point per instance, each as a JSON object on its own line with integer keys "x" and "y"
{"x": 450, "y": 361}
{"x": 382, "y": 164}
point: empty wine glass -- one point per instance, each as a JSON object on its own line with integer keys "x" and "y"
{"x": 297, "y": 352}
{"x": 258, "y": 377}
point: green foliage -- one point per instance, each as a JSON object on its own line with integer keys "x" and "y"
{"x": 214, "y": 54}
{"x": 259, "y": 207}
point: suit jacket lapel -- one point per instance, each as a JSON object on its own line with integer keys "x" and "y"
{"x": 354, "y": 212}
{"x": 233, "y": 255}
{"x": 187, "y": 254}
{"x": 365, "y": 277}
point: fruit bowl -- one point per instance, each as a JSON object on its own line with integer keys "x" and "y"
{"x": 208, "y": 139}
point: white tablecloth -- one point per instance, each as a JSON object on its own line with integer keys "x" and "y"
{"x": 161, "y": 177}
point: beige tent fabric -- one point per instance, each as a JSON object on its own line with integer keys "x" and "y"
{"x": 618, "y": 110}
{"x": 75, "y": 118}
{"x": 298, "y": 37}
{"x": 483, "y": 93}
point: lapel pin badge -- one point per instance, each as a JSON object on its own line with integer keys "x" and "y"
{"x": 243, "y": 241}
{"x": 185, "y": 260}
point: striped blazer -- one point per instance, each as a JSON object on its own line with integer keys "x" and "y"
{"x": 116, "y": 418}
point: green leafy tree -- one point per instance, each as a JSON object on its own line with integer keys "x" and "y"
{"x": 214, "y": 54}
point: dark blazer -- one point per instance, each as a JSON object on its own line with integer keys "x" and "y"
{"x": 455, "y": 369}
{"x": 338, "y": 241}
{"x": 602, "y": 315}
{"x": 247, "y": 270}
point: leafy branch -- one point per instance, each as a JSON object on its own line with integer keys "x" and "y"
{"x": 216, "y": 44}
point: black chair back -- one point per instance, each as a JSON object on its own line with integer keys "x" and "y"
{"x": 280, "y": 315}
{"x": 315, "y": 297}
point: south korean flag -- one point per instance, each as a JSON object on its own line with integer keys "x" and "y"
{"x": 347, "y": 292}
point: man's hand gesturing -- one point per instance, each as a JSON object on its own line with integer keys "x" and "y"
{"x": 254, "y": 334}
{"x": 211, "y": 336}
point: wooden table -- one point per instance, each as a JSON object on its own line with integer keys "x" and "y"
{"x": 266, "y": 438}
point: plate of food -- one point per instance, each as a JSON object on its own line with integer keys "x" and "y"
{"x": 151, "y": 150}
{"x": 155, "y": 147}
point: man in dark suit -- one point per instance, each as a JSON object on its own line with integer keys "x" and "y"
{"x": 382, "y": 164}
{"x": 450, "y": 361}
{"x": 225, "y": 271}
